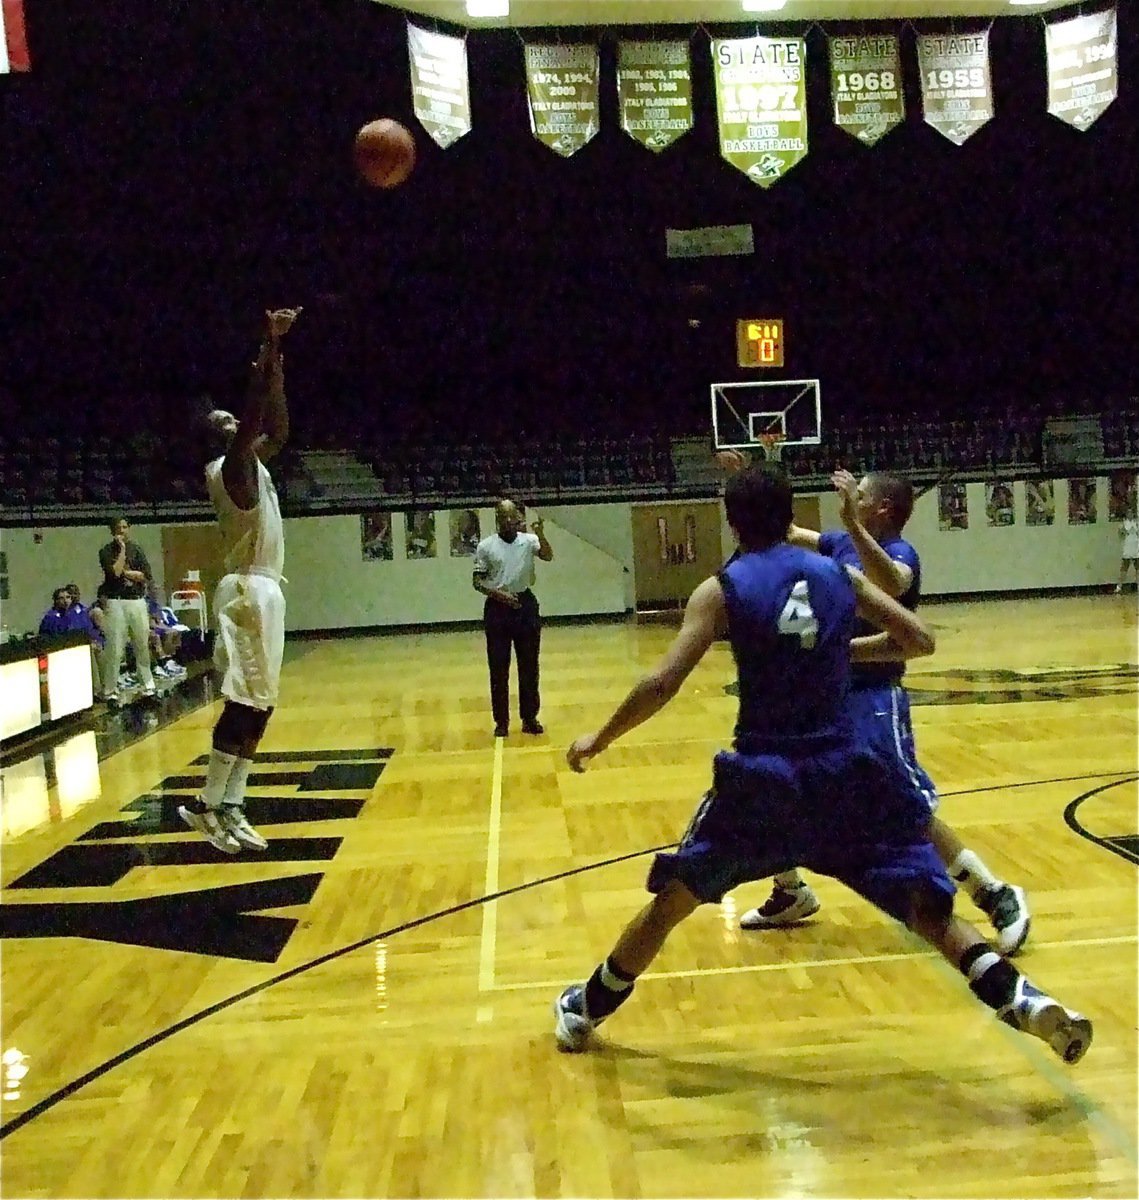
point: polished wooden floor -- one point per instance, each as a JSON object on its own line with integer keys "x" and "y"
{"x": 352, "y": 1016}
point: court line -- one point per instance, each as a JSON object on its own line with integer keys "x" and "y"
{"x": 155, "y": 1039}
{"x": 807, "y": 963}
{"x": 1111, "y": 1128}
{"x": 1073, "y": 823}
{"x": 490, "y": 887}
{"x": 1032, "y": 1050}
{"x": 97, "y": 1072}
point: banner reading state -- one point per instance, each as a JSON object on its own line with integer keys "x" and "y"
{"x": 1083, "y": 67}
{"x": 562, "y": 88}
{"x": 866, "y": 85}
{"x": 761, "y": 104}
{"x": 956, "y": 85}
{"x": 654, "y": 91}
{"x": 439, "y": 86}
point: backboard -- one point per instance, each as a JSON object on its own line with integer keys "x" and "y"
{"x": 745, "y": 414}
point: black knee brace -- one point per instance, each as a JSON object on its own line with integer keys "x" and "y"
{"x": 239, "y": 724}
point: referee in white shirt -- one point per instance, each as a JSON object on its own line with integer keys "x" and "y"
{"x": 504, "y": 573}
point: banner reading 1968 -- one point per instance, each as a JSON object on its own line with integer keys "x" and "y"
{"x": 761, "y": 103}
{"x": 1083, "y": 68}
{"x": 866, "y": 85}
{"x": 654, "y": 91}
{"x": 956, "y": 86}
{"x": 439, "y": 88}
{"x": 562, "y": 87}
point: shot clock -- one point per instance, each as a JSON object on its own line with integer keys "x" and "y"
{"x": 759, "y": 342}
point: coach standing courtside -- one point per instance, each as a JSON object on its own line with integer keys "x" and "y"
{"x": 504, "y": 573}
{"x": 126, "y": 581}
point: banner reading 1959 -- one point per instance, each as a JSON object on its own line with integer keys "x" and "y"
{"x": 562, "y": 87}
{"x": 761, "y": 103}
{"x": 1083, "y": 67}
{"x": 654, "y": 91}
{"x": 956, "y": 86}
{"x": 866, "y": 85}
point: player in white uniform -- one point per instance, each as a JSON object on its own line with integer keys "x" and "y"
{"x": 1129, "y": 551}
{"x": 249, "y": 605}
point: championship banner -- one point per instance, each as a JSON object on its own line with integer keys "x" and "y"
{"x": 761, "y": 104}
{"x": 866, "y": 85}
{"x": 439, "y": 86}
{"x": 562, "y": 88}
{"x": 956, "y": 85}
{"x": 1083, "y": 67}
{"x": 13, "y": 41}
{"x": 654, "y": 91}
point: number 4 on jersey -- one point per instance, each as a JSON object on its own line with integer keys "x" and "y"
{"x": 798, "y": 618}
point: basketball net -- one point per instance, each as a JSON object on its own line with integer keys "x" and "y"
{"x": 772, "y": 445}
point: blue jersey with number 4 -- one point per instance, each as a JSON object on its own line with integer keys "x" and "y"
{"x": 790, "y": 621}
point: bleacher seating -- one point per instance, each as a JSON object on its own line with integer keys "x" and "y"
{"x": 86, "y": 469}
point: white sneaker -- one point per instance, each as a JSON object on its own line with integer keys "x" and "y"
{"x": 235, "y": 824}
{"x": 1031, "y": 1011}
{"x": 785, "y": 906}
{"x": 209, "y": 825}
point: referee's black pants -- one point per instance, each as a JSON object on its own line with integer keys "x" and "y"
{"x": 521, "y": 628}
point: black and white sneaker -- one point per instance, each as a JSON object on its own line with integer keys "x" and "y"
{"x": 1007, "y": 908}
{"x": 572, "y": 1027}
{"x": 785, "y": 906}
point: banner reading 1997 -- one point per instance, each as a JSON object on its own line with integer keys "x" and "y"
{"x": 956, "y": 86}
{"x": 866, "y": 85}
{"x": 1083, "y": 68}
{"x": 654, "y": 91}
{"x": 761, "y": 103}
{"x": 562, "y": 87}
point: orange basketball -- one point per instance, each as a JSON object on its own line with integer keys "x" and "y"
{"x": 384, "y": 153}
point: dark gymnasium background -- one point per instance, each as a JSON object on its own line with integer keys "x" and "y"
{"x": 170, "y": 166}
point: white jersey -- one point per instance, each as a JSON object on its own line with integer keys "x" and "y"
{"x": 1130, "y": 533}
{"x": 254, "y": 538}
{"x": 508, "y": 566}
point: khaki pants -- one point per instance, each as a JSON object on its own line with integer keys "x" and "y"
{"x": 126, "y": 618}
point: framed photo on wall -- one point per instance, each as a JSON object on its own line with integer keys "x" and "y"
{"x": 1121, "y": 495}
{"x": 1081, "y": 502}
{"x": 952, "y": 506}
{"x": 420, "y": 534}
{"x": 376, "y": 537}
{"x": 1039, "y": 502}
{"x": 1000, "y": 511}
{"x": 465, "y": 532}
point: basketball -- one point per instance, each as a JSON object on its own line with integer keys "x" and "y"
{"x": 384, "y": 153}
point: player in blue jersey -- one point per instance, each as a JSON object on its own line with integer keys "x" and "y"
{"x": 874, "y": 512}
{"x": 799, "y": 786}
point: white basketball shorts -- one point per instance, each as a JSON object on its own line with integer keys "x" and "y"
{"x": 250, "y": 639}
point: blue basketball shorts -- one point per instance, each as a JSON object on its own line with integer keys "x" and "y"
{"x": 881, "y": 718}
{"x": 835, "y": 812}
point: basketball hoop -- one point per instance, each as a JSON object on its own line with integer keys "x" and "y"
{"x": 772, "y": 444}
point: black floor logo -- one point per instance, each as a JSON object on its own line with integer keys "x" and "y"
{"x": 1004, "y": 686}
{"x": 226, "y": 921}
